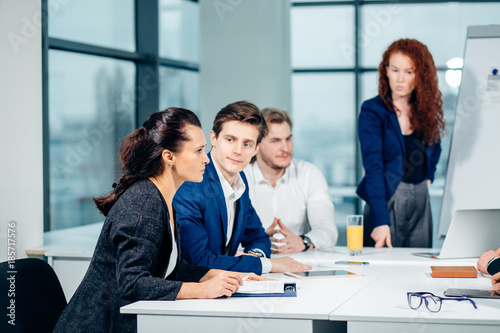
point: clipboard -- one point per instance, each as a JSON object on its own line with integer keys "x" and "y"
{"x": 290, "y": 290}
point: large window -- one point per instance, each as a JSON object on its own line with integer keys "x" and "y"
{"x": 107, "y": 65}
{"x": 91, "y": 110}
{"x": 336, "y": 49}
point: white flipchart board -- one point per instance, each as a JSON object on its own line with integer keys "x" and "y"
{"x": 473, "y": 175}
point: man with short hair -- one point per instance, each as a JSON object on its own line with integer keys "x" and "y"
{"x": 216, "y": 215}
{"x": 289, "y": 195}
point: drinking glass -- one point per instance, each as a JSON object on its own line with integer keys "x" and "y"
{"x": 355, "y": 234}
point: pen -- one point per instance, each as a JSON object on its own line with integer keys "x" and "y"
{"x": 246, "y": 277}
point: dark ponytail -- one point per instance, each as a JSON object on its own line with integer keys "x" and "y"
{"x": 141, "y": 151}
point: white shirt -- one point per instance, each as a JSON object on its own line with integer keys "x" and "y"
{"x": 232, "y": 194}
{"x": 173, "y": 257}
{"x": 300, "y": 199}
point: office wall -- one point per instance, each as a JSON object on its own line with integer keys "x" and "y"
{"x": 244, "y": 54}
{"x": 21, "y": 161}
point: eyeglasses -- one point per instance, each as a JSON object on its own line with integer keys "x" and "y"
{"x": 432, "y": 302}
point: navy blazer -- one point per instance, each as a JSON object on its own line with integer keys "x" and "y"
{"x": 202, "y": 216}
{"x": 382, "y": 150}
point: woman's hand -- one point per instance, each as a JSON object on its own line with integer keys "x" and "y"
{"x": 253, "y": 277}
{"x": 382, "y": 236}
{"x": 226, "y": 283}
{"x": 215, "y": 283}
{"x": 223, "y": 284}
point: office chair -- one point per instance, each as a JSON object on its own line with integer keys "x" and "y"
{"x": 30, "y": 296}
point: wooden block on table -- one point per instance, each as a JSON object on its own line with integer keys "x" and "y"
{"x": 454, "y": 271}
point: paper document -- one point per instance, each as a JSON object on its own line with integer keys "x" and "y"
{"x": 261, "y": 287}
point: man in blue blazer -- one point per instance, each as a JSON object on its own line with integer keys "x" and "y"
{"x": 216, "y": 215}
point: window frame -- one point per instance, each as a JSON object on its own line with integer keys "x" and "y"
{"x": 146, "y": 58}
{"x": 358, "y": 70}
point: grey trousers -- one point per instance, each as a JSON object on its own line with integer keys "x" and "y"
{"x": 410, "y": 214}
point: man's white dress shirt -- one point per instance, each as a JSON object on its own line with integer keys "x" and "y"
{"x": 300, "y": 199}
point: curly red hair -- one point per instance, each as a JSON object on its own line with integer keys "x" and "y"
{"x": 427, "y": 106}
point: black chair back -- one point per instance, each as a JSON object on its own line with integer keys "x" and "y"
{"x": 31, "y": 297}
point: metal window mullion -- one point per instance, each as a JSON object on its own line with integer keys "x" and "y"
{"x": 422, "y": 2}
{"x": 381, "y": 2}
{"x": 100, "y": 51}
{"x": 322, "y": 3}
{"x": 357, "y": 94}
{"x": 147, "y": 75}
{"x": 179, "y": 64}
{"x": 323, "y": 70}
{"x": 45, "y": 118}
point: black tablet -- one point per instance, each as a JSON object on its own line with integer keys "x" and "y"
{"x": 322, "y": 274}
{"x": 471, "y": 293}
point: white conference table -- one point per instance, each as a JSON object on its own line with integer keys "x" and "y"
{"x": 370, "y": 303}
{"x": 383, "y": 306}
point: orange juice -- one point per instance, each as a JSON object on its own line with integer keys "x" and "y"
{"x": 355, "y": 237}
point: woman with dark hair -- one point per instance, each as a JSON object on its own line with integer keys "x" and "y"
{"x": 137, "y": 255}
{"x": 399, "y": 133}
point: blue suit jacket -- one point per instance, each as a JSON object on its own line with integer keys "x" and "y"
{"x": 382, "y": 150}
{"x": 202, "y": 216}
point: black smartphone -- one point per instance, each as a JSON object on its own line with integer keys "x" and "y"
{"x": 342, "y": 262}
{"x": 472, "y": 293}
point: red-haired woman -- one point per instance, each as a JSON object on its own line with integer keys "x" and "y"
{"x": 399, "y": 132}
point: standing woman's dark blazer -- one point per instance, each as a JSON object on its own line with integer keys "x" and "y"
{"x": 382, "y": 150}
{"x": 129, "y": 263}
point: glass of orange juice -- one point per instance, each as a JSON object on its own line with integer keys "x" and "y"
{"x": 355, "y": 234}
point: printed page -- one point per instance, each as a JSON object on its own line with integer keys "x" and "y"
{"x": 262, "y": 287}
